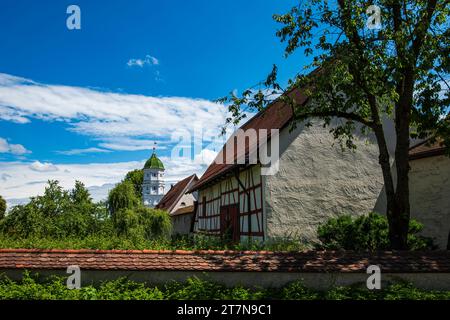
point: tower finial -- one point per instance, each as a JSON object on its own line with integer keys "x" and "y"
{"x": 154, "y": 146}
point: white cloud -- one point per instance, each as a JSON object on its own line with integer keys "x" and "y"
{"x": 127, "y": 144}
{"x": 206, "y": 156}
{"x": 16, "y": 149}
{"x": 28, "y": 179}
{"x": 22, "y": 180}
{"x": 106, "y": 115}
{"x": 82, "y": 151}
{"x": 4, "y": 176}
{"x": 148, "y": 60}
{"x": 117, "y": 121}
{"x": 43, "y": 167}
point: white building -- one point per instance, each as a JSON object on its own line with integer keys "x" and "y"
{"x": 153, "y": 184}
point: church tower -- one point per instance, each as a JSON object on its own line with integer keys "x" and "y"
{"x": 153, "y": 185}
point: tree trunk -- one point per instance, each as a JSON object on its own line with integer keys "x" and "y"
{"x": 387, "y": 179}
{"x": 399, "y": 224}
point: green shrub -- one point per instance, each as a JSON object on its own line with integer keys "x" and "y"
{"x": 32, "y": 287}
{"x": 195, "y": 289}
{"x": 368, "y": 232}
{"x": 297, "y": 291}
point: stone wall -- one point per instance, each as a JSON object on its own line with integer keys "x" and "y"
{"x": 318, "y": 180}
{"x": 430, "y": 196}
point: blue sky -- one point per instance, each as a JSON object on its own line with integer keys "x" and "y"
{"x": 89, "y": 103}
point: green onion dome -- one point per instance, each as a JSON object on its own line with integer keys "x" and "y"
{"x": 154, "y": 163}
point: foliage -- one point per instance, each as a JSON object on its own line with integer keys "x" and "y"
{"x": 63, "y": 218}
{"x": 156, "y": 223}
{"x": 2, "y": 208}
{"x": 57, "y": 213}
{"x": 366, "y": 232}
{"x": 136, "y": 177}
{"x": 109, "y": 239}
{"x": 32, "y": 287}
{"x": 143, "y": 222}
{"x": 122, "y": 196}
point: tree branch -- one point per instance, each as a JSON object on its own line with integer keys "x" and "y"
{"x": 421, "y": 29}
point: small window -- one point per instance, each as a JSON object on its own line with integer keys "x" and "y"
{"x": 183, "y": 204}
{"x": 155, "y": 175}
{"x": 154, "y": 188}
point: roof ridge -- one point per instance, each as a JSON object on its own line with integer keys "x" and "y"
{"x": 181, "y": 193}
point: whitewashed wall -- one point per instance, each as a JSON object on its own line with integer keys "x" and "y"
{"x": 188, "y": 200}
{"x": 430, "y": 196}
{"x": 317, "y": 181}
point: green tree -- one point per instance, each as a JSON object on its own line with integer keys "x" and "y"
{"x": 2, "y": 208}
{"x": 122, "y": 196}
{"x": 80, "y": 194}
{"x": 156, "y": 223}
{"x": 53, "y": 202}
{"x": 57, "y": 214}
{"x": 364, "y": 75}
{"x": 126, "y": 223}
{"x": 143, "y": 223}
{"x": 136, "y": 177}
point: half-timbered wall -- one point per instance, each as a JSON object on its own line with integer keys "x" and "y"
{"x": 228, "y": 191}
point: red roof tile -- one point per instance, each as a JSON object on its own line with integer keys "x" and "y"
{"x": 276, "y": 116}
{"x": 426, "y": 149}
{"x": 175, "y": 193}
{"x": 259, "y": 261}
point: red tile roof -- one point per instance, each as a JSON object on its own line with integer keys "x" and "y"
{"x": 171, "y": 198}
{"x": 276, "y": 116}
{"x": 425, "y": 149}
{"x": 147, "y": 260}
